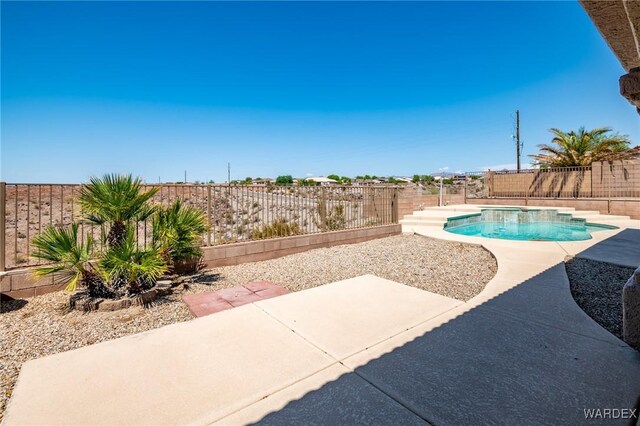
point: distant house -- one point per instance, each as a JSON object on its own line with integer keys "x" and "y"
{"x": 322, "y": 181}
{"x": 369, "y": 181}
{"x": 403, "y": 179}
{"x": 263, "y": 181}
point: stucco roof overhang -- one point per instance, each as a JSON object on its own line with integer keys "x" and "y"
{"x": 619, "y": 23}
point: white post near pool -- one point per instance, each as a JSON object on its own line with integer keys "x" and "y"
{"x": 442, "y": 171}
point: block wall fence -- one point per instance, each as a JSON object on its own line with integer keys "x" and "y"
{"x": 20, "y": 283}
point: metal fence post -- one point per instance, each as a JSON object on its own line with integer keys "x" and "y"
{"x": 394, "y": 206}
{"x": 3, "y": 204}
{"x": 209, "y": 215}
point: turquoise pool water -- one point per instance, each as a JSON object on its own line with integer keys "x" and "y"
{"x": 539, "y": 231}
{"x": 523, "y": 225}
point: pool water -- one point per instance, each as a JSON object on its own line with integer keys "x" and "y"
{"x": 536, "y": 231}
{"x": 524, "y": 225}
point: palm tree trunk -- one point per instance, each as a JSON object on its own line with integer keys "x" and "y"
{"x": 95, "y": 285}
{"x": 117, "y": 233}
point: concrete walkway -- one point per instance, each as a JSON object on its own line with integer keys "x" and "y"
{"x": 362, "y": 351}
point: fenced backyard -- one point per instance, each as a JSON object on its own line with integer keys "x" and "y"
{"x": 234, "y": 213}
{"x": 610, "y": 188}
{"x": 600, "y": 180}
{"x": 240, "y": 213}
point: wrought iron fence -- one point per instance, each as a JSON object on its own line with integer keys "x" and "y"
{"x": 235, "y": 213}
{"x": 619, "y": 179}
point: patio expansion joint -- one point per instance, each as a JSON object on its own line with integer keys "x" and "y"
{"x": 275, "y": 391}
{"x": 340, "y": 362}
{"x": 563, "y": 249}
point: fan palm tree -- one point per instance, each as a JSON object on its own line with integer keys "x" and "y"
{"x": 70, "y": 259}
{"x": 178, "y": 230}
{"x": 115, "y": 200}
{"x": 130, "y": 269}
{"x": 583, "y": 147}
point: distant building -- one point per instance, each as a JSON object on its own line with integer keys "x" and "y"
{"x": 403, "y": 179}
{"x": 263, "y": 181}
{"x": 369, "y": 181}
{"x": 322, "y": 181}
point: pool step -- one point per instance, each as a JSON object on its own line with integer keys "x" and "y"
{"x": 422, "y": 222}
{"x": 597, "y": 216}
{"x": 585, "y": 213}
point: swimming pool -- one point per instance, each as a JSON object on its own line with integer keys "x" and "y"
{"x": 523, "y": 225}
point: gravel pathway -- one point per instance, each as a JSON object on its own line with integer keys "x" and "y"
{"x": 44, "y": 326}
{"x": 597, "y": 289}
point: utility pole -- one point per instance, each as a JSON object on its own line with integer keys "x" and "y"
{"x": 228, "y": 173}
{"x": 518, "y": 139}
{"x": 185, "y": 176}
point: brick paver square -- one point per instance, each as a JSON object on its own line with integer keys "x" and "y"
{"x": 202, "y": 304}
{"x": 244, "y": 299}
{"x": 260, "y": 285}
{"x": 268, "y": 293}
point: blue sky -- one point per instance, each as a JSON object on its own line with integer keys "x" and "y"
{"x": 294, "y": 88}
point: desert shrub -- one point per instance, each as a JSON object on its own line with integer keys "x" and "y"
{"x": 279, "y": 228}
{"x": 330, "y": 219}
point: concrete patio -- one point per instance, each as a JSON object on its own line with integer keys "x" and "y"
{"x": 365, "y": 351}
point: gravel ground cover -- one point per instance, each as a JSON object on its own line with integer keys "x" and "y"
{"x": 597, "y": 289}
{"x": 44, "y": 325}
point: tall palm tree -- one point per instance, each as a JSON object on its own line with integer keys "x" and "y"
{"x": 583, "y": 147}
{"x": 115, "y": 200}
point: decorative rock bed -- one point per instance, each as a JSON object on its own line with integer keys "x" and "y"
{"x": 599, "y": 289}
{"x": 81, "y": 301}
{"x": 631, "y": 310}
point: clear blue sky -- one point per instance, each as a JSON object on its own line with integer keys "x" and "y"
{"x": 294, "y": 88}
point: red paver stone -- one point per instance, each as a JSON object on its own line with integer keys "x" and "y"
{"x": 260, "y": 285}
{"x": 244, "y": 299}
{"x": 202, "y": 304}
{"x": 233, "y": 292}
{"x": 268, "y": 293}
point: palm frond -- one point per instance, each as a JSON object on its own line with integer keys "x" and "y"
{"x": 582, "y": 147}
{"x": 69, "y": 256}
{"x": 128, "y": 261}
{"x": 114, "y": 198}
{"x": 178, "y": 230}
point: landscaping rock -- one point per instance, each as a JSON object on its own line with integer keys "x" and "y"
{"x": 114, "y": 305}
{"x": 82, "y": 302}
{"x": 146, "y": 297}
{"x": 164, "y": 288}
{"x": 631, "y": 310}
